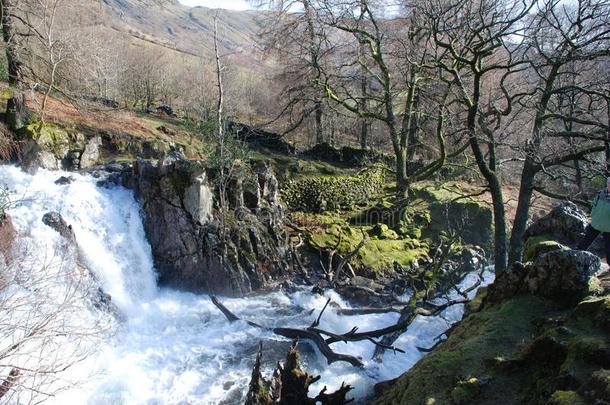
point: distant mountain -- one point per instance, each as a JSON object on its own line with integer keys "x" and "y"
{"x": 189, "y": 30}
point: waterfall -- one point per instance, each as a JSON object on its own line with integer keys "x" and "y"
{"x": 175, "y": 347}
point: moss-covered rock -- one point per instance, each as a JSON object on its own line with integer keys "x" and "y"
{"x": 537, "y": 245}
{"x": 382, "y": 251}
{"x": 522, "y": 359}
{"x": 451, "y": 211}
{"x": 566, "y": 398}
{"x": 531, "y": 345}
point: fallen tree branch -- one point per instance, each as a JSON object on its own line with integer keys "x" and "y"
{"x": 293, "y": 333}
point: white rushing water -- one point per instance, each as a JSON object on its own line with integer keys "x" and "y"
{"x": 174, "y": 347}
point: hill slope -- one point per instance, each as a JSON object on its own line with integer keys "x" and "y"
{"x": 180, "y": 28}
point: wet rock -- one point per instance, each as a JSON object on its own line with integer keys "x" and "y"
{"x": 64, "y": 180}
{"x": 114, "y": 167}
{"x": 33, "y": 157}
{"x": 57, "y": 222}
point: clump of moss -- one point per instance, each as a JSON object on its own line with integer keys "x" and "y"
{"x": 382, "y": 251}
{"x": 566, "y": 398}
{"x": 537, "y": 245}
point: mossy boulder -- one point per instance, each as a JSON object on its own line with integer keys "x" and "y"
{"x": 382, "y": 231}
{"x": 452, "y": 212}
{"x": 382, "y": 251}
{"x": 537, "y": 245}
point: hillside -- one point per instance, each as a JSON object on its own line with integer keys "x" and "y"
{"x": 187, "y": 30}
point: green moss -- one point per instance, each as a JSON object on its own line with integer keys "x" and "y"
{"x": 496, "y": 332}
{"x": 6, "y": 94}
{"x": 378, "y": 253}
{"x": 53, "y": 138}
{"x": 383, "y": 232}
{"x": 477, "y": 302}
{"x": 566, "y": 398}
{"x": 537, "y": 245}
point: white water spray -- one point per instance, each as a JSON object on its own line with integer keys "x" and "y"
{"x": 174, "y": 347}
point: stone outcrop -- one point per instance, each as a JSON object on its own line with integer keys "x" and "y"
{"x": 348, "y": 156}
{"x": 565, "y": 224}
{"x": 562, "y": 275}
{"x": 51, "y": 147}
{"x": 195, "y": 247}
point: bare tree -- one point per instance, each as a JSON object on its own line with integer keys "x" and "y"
{"x": 47, "y": 317}
{"x": 568, "y": 50}
{"x": 300, "y": 41}
{"x": 472, "y": 38}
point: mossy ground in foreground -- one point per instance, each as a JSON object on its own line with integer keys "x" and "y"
{"x": 520, "y": 351}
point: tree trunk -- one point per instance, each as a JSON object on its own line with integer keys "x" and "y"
{"x": 491, "y": 176}
{"x": 319, "y": 122}
{"x": 402, "y": 178}
{"x": 17, "y": 113}
{"x": 526, "y": 191}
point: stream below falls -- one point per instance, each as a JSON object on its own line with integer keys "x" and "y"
{"x": 172, "y": 347}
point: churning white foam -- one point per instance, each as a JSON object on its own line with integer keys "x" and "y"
{"x": 175, "y": 347}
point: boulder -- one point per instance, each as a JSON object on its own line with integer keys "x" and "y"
{"x": 91, "y": 153}
{"x": 259, "y": 139}
{"x": 58, "y": 223}
{"x": 565, "y": 224}
{"x": 64, "y": 180}
{"x": 563, "y": 276}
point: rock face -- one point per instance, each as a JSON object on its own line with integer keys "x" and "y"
{"x": 51, "y": 147}
{"x": 561, "y": 275}
{"x": 186, "y": 231}
{"x": 565, "y": 224}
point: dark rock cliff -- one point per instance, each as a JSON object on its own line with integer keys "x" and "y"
{"x": 192, "y": 249}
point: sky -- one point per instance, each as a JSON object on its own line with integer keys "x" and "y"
{"x": 228, "y": 4}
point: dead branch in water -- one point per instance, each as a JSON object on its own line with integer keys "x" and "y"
{"x": 317, "y": 336}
